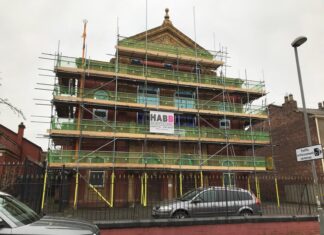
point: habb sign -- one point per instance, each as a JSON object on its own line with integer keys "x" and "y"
{"x": 161, "y": 122}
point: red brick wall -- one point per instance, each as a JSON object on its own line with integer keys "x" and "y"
{"x": 277, "y": 228}
{"x": 26, "y": 150}
{"x": 288, "y": 133}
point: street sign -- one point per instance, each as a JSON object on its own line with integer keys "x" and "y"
{"x": 309, "y": 153}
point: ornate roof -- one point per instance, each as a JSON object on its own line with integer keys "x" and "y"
{"x": 167, "y": 34}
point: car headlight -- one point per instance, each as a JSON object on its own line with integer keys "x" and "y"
{"x": 165, "y": 208}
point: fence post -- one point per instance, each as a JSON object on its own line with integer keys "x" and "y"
{"x": 23, "y": 182}
{"x": 321, "y": 220}
{"x": 180, "y": 186}
{"x": 61, "y": 189}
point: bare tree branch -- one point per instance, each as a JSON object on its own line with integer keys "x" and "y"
{"x": 12, "y": 107}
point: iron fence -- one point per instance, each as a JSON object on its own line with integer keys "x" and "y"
{"x": 132, "y": 195}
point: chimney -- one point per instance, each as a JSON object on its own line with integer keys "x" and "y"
{"x": 20, "y": 136}
{"x": 321, "y": 106}
{"x": 291, "y": 97}
{"x": 290, "y": 104}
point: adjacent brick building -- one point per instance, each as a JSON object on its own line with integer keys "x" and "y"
{"x": 288, "y": 133}
{"x": 15, "y": 148}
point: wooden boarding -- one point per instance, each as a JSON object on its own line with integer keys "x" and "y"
{"x": 185, "y": 58}
{"x": 94, "y": 134}
{"x": 155, "y": 166}
{"x": 157, "y": 107}
{"x": 156, "y": 80}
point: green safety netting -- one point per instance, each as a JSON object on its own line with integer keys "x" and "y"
{"x": 150, "y": 159}
{"x": 166, "y": 74}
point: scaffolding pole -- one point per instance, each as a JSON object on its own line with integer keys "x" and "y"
{"x": 44, "y": 190}
{"x": 112, "y": 187}
{"x": 277, "y": 192}
{"x": 80, "y": 114}
{"x": 49, "y": 140}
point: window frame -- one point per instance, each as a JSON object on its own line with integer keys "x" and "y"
{"x": 231, "y": 177}
{"x": 227, "y": 123}
{"x": 101, "y": 110}
{"x": 103, "y": 178}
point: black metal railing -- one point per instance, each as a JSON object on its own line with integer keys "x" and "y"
{"x": 132, "y": 195}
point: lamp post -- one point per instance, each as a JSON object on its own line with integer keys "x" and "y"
{"x": 296, "y": 43}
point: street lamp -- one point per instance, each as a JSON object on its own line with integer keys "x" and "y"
{"x": 296, "y": 43}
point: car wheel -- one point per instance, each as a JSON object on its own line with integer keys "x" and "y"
{"x": 180, "y": 215}
{"x": 246, "y": 213}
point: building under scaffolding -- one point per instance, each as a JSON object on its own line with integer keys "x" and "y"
{"x": 159, "y": 118}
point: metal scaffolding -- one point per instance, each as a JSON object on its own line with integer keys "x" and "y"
{"x": 77, "y": 99}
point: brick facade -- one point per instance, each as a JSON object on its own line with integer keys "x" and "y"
{"x": 288, "y": 133}
{"x": 15, "y": 148}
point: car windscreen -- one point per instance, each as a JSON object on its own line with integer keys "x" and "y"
{"x": 189, "y": 195}
{"x": 16, "y": 211}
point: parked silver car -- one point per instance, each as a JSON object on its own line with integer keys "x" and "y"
{"x": 212, "y": 201}
{"x": 17, "y": 218}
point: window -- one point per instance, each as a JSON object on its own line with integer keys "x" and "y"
{"x": 232, "y": 195}
{"x": 100, "y": 114}
{"x": 16, "y": 211}
{"x": 150, "y": 96}
{"x": 228, "y": 179}
{"x": 245, "y": 196}
{"x": 141, "y": 118}
{"x": 101, "y": 95}
{"x": 71, "y": 87}
{"x": 235, "y": 195}
{"x": 97, "y": 178}
{"x": 185, "y": 120}
{"x": 185, "y": 99}
{"x": 225, "y": 124}
{"x": 209, "y": 196}
{"x": 221, "y": 195}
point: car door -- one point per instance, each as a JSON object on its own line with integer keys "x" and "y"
{"x": 221, "y": 203}
{"x": 204, "y": 204}
{"x": 234, "y": 203}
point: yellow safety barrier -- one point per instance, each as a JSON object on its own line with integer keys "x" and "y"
{"x": 100, "y": 195}
{"x": 112, "y": 189}
{"x": 257, "y": 186}
{"x": 201, "y": 179}
{"x": 277, "y": 192}
{"x": 76, "y": 190}
{"x": 44, "y": 191}
{"x": 145, "y": 190}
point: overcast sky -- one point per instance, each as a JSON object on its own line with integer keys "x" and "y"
{"x": 256, "y": 33}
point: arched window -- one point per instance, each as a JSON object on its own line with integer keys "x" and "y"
{"x": 101, "y": 95}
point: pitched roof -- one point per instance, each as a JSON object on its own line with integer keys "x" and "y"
{"x": 7, "y": 129}
{"x": 167, "y": 34}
